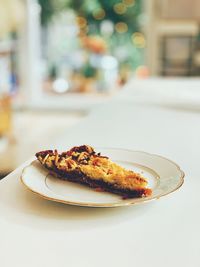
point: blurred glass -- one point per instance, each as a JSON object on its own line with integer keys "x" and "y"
{"x": 5, "y": 115}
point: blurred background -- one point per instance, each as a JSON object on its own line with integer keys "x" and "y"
{"x": 60, "y": 58}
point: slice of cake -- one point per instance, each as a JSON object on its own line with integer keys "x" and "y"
{"x": 83, "y": 165}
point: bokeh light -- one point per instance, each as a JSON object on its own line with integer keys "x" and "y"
{"x": 128, "y": 3}
{"x": 60, "y": 85}
{"x": 121, "y": 27}
{"x": 138, "y": 39}
{"x": 99, "y": 13}
{"x": 81, "y": 21}
{"x": 107, "y": 27}
{"x": 120, "y": 8}
{"x": 142, "y": 72}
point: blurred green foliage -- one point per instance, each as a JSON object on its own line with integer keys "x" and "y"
{"x": 86, "y": 8}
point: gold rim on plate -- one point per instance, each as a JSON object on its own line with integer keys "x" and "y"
{"x": 126, "y": 202}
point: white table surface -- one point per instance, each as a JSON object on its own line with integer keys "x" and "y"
{"x": 36, "y": 232}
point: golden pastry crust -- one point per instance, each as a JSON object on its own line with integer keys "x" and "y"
{"x": 82, "y": 164}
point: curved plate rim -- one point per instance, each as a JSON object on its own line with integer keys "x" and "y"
{"x": 127, "y": 202}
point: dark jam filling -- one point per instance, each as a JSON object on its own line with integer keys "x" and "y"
{"x": 100, "y": 185}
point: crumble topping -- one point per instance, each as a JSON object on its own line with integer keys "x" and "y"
{"x": 85, "y": 160}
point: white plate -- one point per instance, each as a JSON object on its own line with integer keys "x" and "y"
{"x": 164, "y": 177}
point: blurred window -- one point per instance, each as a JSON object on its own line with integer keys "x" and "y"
{"x": 179, "y": 9}
{"x": 177, "y": 54}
